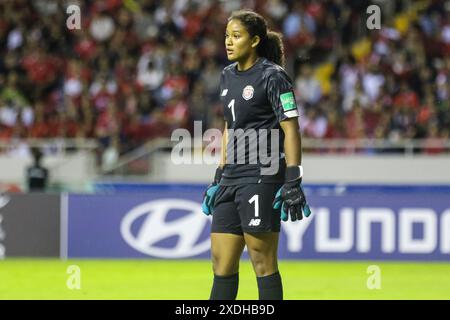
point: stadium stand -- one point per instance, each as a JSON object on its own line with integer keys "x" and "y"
{"x": 138, "y": 69}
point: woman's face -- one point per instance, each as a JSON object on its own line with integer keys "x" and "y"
{"x": 238, "y": 42}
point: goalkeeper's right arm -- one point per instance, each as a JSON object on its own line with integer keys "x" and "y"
{"x": 210, "y": 193}
{"x": 223, "y": 157}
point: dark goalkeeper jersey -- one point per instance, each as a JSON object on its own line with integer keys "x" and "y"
{"x": 255, "y": 101}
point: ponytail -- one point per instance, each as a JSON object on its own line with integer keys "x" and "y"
{"x": 271, "y": 42}
{"x": 272, "y": 48}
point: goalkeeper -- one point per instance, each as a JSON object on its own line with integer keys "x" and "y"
{"x": 246, "y": 203}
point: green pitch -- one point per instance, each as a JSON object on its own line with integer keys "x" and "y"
{"x": 157, "y": 279}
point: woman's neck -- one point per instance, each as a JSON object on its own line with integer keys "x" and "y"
{"x": 247, "y": 63}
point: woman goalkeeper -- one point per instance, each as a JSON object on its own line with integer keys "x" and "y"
{"x": 249, "y": 195}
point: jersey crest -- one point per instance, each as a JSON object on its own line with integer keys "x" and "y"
{"x": 247, "y": 93}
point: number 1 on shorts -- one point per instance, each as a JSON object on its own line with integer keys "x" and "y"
{"x": 255, "y": 199}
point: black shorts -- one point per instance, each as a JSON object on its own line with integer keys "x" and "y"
{"x": 246, "y": 208}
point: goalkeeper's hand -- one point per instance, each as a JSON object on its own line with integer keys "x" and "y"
{"x": 210, "y": 194}
{"x": 291, "y": 197}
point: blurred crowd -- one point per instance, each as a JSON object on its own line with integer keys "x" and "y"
{"x": 393, "y": 85}
{"x": 136, "y": 70}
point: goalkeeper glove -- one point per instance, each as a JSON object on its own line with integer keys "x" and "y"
{"x": 210, "y": 193}
{"x": 291, "y": 197}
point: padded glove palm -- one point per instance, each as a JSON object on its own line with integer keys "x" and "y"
{"x": 210, "y": 194}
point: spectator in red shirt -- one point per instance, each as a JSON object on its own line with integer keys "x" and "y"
{"x": 41, "y": 67}
{"x": 406, "y": 98}
{"x": 354, "y": 122}
{"x": 176, "y": 113}
{"x": 39, "y": 128}
{"x": 109, "y": 122}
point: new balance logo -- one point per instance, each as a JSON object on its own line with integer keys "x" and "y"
{"x": 254, "y": 222}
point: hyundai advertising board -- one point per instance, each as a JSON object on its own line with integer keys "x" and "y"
{"x": 166, "y": 223}
{"x": 136, "y": 226}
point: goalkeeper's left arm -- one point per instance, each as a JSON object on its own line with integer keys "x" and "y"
{"x": 291, "y": 197}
